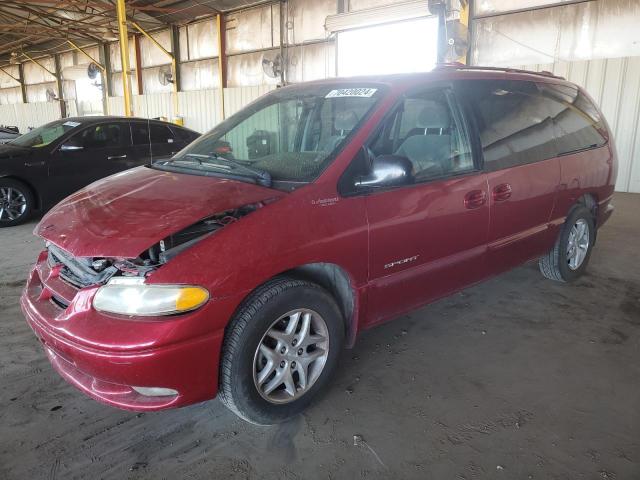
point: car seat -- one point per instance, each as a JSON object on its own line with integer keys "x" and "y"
{"x": 428, "y": 146}
{"x": 344, "y": 122}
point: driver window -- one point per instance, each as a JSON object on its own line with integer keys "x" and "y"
{"x": 427, "y": 128}
{"x": 101, "y": 136}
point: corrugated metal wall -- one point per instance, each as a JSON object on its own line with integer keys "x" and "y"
{"x": 200, "y": 109}
{"x": 237, "y": 98}
{"x": 581, "y": 31}
{"x": 153, "y": 105}
{"x": 615, "y": 85}
{"x": 29, "y": 115}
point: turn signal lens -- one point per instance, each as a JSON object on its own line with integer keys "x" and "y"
{"x": 190, "y": 298}
{"x": 131, "y": 296}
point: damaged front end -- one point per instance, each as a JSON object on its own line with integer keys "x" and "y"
{"x": 82, "y": 272}
{"x": 176, "y": 243}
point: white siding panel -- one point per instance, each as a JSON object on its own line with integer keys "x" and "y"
{"x": 628, "y": 140}
{"x": 8, "y": 116}
{"x": 72, "y": 108}
{"x": 115, "y": 106}
{"x": 200, "y": 109}
{"x": 29, "y": 115}
{"x": 614, "y": 84}
{"x": 578, "y": 72}
{"x": 153, "y": 105}
{"x": 239, "y": 97}
{"x": 584, "y": 30}
{"x": 10, "y": 96}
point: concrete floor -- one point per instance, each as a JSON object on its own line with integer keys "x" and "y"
{"x": 519, "y": 377}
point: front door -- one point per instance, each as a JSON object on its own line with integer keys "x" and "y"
{"x": 99, "y": 150}
{"x": 429, "y": 238}
{"x": 520, "y": 158}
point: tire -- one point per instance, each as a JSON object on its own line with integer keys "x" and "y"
{"x": 269, "y": 313}
{"x": 18, "y": 198}
{"x": 559, "y": 264}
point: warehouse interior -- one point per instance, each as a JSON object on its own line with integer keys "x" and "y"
{"x": 512, "y": 378}
{"x": 591, "y": 43}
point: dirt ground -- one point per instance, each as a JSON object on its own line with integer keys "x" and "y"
{"x": 519, "y": 377}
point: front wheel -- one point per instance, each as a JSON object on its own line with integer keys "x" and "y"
{"x": 568, "y": 259}
{"x": 280, "y": 350}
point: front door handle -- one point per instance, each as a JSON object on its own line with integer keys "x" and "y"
{"x": 475, "y": 199}
{"x": 502, "y": 192}
{"x": 116, "y": 157}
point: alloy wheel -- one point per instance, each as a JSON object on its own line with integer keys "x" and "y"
{"x": 578, "y": 244}
{"x": 291, "y": 356}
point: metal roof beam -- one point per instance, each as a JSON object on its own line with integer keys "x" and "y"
{"x": 57, "y": 24}
{"x": 25, "y": 21}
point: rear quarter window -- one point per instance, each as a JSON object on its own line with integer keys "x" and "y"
{"x": 578, "y": 124}
{"x": 513, "y": 120}
{"x": 161, "y": 134}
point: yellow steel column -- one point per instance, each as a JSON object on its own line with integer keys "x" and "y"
{"x": 464, "y": 21}
{"x": 124, "y": 55}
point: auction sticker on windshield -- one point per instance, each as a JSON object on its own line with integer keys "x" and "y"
{"x": 351, "y": 92}
{"x": 71, "y": 124}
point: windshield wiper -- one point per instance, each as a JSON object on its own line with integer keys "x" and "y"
{"x": 262, "y": 176}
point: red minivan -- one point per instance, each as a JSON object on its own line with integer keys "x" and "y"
{"x": 245, "y": 263}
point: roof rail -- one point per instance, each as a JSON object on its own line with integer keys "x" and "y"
{"x": 462, "y": 66}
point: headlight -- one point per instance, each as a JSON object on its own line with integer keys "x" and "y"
{"x": 130, "y": 296}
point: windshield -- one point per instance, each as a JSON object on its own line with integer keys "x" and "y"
{"x": 45, "y": 134}
{"x": 289, "y": 135}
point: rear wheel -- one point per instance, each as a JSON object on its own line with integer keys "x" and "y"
{"x": 16, "y": 202}
{"x": 569, "y": 257}
{"x": 280, "y": 350}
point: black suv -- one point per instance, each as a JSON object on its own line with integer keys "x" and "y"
{"x": 41, "y": 167}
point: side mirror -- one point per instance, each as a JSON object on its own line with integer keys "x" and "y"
{"x": 387, "y": 171}
{"x": 71, "y": 146}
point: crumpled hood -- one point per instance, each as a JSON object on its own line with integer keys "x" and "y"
{"x": 123, "y": 215}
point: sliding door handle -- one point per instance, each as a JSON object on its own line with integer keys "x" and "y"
{"x": 116, "y": 157}
{"x": 502, "y": 192}
{"x": 475, "y": 199}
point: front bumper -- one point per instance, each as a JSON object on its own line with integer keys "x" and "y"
{"x": 107, "y": 370}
